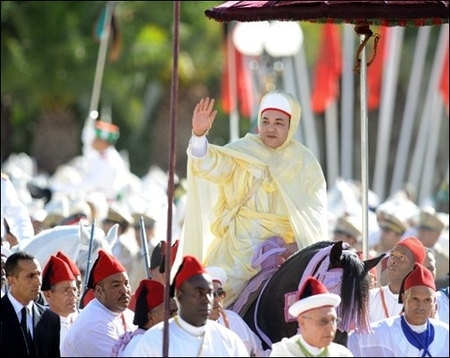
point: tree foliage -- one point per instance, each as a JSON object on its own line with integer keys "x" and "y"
{"x": 49, "y": 56}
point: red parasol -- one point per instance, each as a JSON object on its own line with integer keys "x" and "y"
{"x": 362, "y": 14}
{"x": 383, "y": 13}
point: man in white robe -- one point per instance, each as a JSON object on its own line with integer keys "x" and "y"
{"x": 106, "y": 317}
{"x": 191, "y": 333}
{"x": 315, "y": 310}
{"x": 412, "y": 334}
{"x": 384, "y": 300}
{"x": 15, "y": 213}
{"x": 231, "y": 319}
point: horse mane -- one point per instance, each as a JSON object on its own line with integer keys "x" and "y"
{"x": 355, "y": 285}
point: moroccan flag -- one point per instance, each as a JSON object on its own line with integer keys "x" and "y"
{"x": 375, "y": 71}
{"x": 242, "y": 77}
{"x": 443, "y": 83}
{"x": 328, "y": 69}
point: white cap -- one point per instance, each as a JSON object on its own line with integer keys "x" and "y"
{"x": 217, "y": 274}
{"x": 276, "y": 101}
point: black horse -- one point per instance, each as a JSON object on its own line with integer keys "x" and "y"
{"x": 351, "y": 282}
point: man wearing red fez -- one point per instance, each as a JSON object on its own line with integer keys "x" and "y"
{"x": 106, "y": 317}
{"x": 61, "y": 292}
{"x": 315, "y": 309}
{"x": 411, "y": 334}
{"x": 106, "y": 172}
{"x": 148, "y": 312}
{"x": 384, "y": 300}
{"x": 191, "y": 333}
{"x": 75, "y": 270}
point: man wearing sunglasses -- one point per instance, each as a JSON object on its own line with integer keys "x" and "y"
{"x": 231, "y": 319}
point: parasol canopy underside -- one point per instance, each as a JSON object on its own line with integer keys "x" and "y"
{"x": 379, "y": 13}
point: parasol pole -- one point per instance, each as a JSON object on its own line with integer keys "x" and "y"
{"x": 364, "y": 152}
{"x": 172, "y": 162}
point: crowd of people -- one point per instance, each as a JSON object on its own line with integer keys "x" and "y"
{"x": 250, "y": 205}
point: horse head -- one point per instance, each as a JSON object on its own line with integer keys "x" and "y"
{"x": 74, "y": 240}
{"x": 92, "y": 239}
{"x": 337, "y": 266}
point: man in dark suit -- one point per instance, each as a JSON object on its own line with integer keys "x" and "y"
{"x": 36, "y": 332}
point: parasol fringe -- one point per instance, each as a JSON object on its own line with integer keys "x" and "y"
{"x": 364, "y": 29}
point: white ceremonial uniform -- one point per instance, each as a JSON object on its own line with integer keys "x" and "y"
{"x": 96, "y": 330}
{"x": 388, "y": 340}
{"x": 185, "y": 340}
{"x": 241, "y": 328}
{"x": 132, "y": 344}
{"x": 14, "y": 212}
{"x": 290, "y": 347}
{"x": 105, "y": 172}
{"x": 383, "y": 304}
{"x": 66, "y": 323}
{"x": 442, "y": 305}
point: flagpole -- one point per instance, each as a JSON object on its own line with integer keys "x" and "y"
{"x": 429, "y": 171}
{"x": 410, "y": 111}
{"x": 87, "y": 134}
{"x": 233, "y": 89}
{"x": 347, "y": 99}
{"x": 389, "y": 90}
{"x": 308, "y": 120}
{"x": 423, "y": 132}
{"x": 332, "y": 145}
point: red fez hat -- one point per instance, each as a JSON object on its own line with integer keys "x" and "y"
{"x": 419, "y": 276}
{"x": 105, "y": 266}
{"x": 416, "y": 247}
{"x": 88, "y": 296}
{"x": 313, "y": 294}
{"x": 152, "y": 291}
{"x": 56, "y": 270}
{"x": 73, "y": 266}
{"x": 107, "y": 131}
{"x": 173, "y": 254}
{"x": 190, "y": 267}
